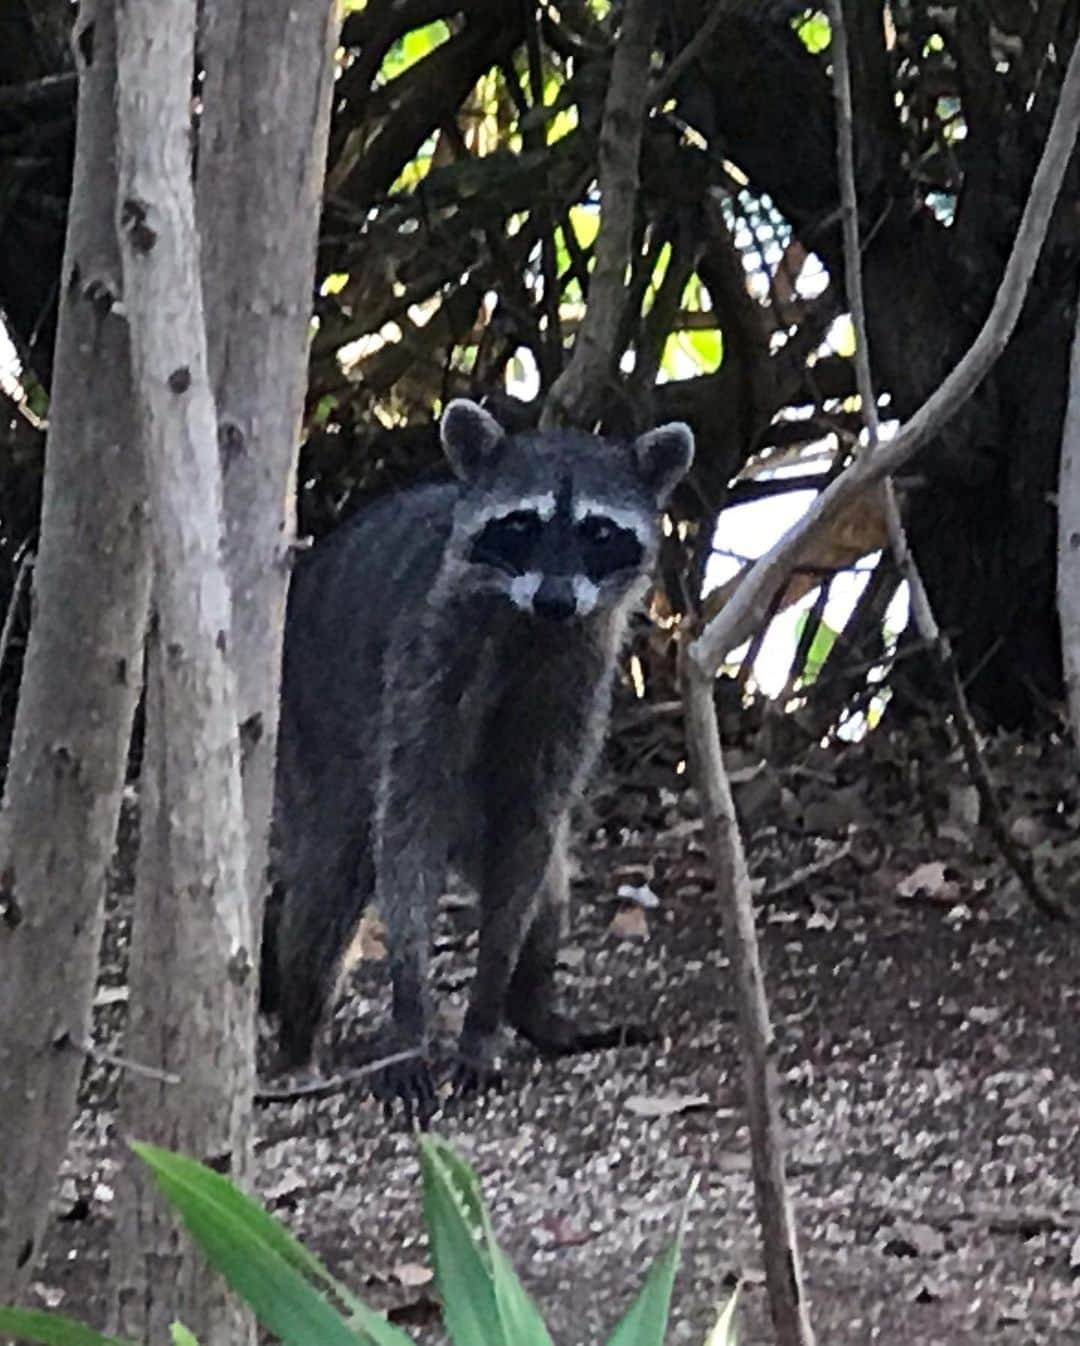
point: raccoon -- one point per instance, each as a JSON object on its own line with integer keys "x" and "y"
{"x": 449, "y": 658}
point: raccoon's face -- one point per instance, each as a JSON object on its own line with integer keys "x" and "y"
{"x": 563, "y": 524}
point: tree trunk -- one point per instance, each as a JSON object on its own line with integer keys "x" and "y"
{"x": 192, "y": 975}
{"x": 80, "y": 684}
{"x": 1068, "y": 556}
{"x": 262, "y": 154}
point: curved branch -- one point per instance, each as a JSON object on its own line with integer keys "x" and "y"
{"x": 751, "y": 601}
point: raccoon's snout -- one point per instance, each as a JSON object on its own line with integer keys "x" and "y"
{"x": 555, "y": 599}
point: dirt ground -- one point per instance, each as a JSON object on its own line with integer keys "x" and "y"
{"x": 928, "y": 1047}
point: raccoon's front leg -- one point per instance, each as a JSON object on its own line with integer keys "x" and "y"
{"x": 410, "y": 860}
{"x": 518, "y": 855}
{"x": 531, "y": 1001}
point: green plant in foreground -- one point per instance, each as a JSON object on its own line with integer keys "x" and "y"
{"x": 294, "y": 1296}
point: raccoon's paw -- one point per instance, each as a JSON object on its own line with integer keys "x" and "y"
{"x": 406, "y": 1078}
{"x": 474, "y": 1068}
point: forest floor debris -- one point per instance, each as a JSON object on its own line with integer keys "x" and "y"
{"x": 929, "y": 1048}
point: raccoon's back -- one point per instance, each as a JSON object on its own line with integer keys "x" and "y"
{"x": 346, "y": 598}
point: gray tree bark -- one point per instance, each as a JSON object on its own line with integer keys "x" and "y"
{"x": 80, "y": 685}
{"x": 1068, "y": 555}
{"x": 192, "y": 966}
{"x": 262, "y": 155}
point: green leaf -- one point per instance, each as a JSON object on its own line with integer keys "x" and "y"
{"x": 413, "y": 47}
{"x": 181, "y": 1336}
{"x": 822, "y": 643}
{"x": 51, "y": 1329}
{"x": 261, "y": 1260}
{"x": 724, "y": 1332}
{"x": 453, "y": 1213}
{"x": 585, "y": 222}
{"x": 814, "y": 31}
{"x": 645, "y": 1321}
{"x": 483, "y": 1299}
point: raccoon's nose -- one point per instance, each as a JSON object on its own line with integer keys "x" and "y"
{"x": 555, "y": 599}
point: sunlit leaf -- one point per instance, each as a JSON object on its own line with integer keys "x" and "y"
{"x": 842, "y": 337}
{"x": 585, "y": 221}
{"x": 824, "y": 639}
{"x": 814, "y": 32}
{"x": 412, "y": 48}
{"x": 687, "y": 354}
{"x": 182, "y": 1336}
{"x": 335, "y": 282}
{"x": 707, "y": 343}
{"x": 563, "y": 122}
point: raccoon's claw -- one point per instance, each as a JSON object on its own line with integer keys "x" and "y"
{"x": 473, "y": 1072}
{"x": 409, "y": 1082}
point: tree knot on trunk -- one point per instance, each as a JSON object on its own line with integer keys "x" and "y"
{"x": 133, "y": 216}
{"x": 10, "y": 911}
{"x": 240, "y": 966}
{"x": 232, "y": 442}
{"x": 180, "y": 380}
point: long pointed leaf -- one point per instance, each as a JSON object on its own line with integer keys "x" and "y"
{"x": 645, "y": 1322}
{"x": 453, "y": 1213}
{"x": 724, "y": 1333}
{"x": 262, "y": 1262}
{"x": 51, "y": 1329}
{"x": 518, "y": 1319}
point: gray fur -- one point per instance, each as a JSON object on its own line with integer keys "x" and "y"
{"x": 430, "y": 717}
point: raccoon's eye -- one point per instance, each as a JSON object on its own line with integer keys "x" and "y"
{"x": 607, "y": 547}
{"x": 521, "y": 521}
{"x": 507, "y": 542}
{"x": 597, "y": 530}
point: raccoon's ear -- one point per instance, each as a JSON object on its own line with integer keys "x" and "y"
{"x": 469, "y": 436}
{"x": 663, "y": 457}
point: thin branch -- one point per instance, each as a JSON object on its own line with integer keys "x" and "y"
{"x": 49, "y": 91}
{"x": 333, "y": 1084}
{"x": 577, "y": 393}
{"x": 551, "y": 347}
{"x": 749, "y": 603}
{"x": 783, "y": 1277}
{"x": 125, "y": 1063}
{"x": 922, "y": 611}
{"x": 22, "y": 576}
{"x": 662, "y": 86}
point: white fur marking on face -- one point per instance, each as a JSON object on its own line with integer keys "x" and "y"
{"x": 543, "y": 506}
{"x": 621, "y": 518}
{"x": 585, "y": 595}
{"x": 523, "y": 589}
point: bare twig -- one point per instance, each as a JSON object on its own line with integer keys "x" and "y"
{"x": 551, "y": 348}
{"x": 813, "y": 870}
{"x": 922, "y": 611}
{"x": 333, "y": 1084}
{"x": 750, "y": 601}
{"x": 123, "y": 1062}
{"x": 577, "y": 393}
{"x": 22, "y": 576}
{"x": 783, "y": 1277}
